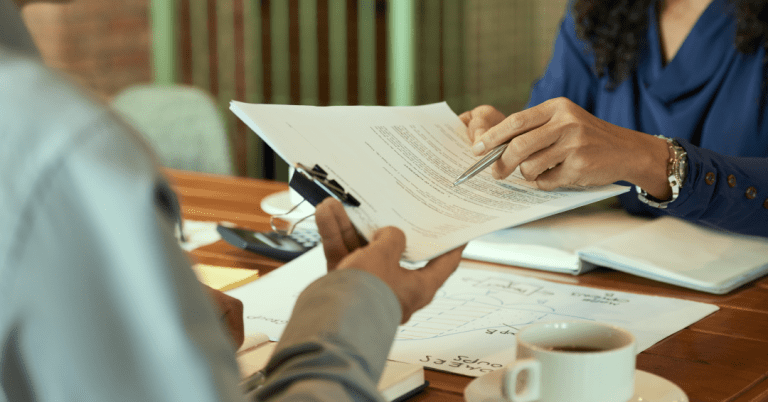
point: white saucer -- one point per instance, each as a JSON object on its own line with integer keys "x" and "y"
{"x": 648, "y": 388}
{"x": 280, "y": 203}
{"x": 652, "y": 388}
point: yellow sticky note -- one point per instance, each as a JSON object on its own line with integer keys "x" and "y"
{"x": 224, "y": 278}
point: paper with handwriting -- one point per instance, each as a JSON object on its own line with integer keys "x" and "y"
{"x": 469, "y": 325}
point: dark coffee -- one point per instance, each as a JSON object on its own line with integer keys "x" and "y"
{"x": 575, "y": 349}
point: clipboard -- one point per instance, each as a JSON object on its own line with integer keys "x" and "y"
{"x": 315, "y": 186}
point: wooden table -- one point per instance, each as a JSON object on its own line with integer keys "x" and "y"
{"x": 723, "y": 357}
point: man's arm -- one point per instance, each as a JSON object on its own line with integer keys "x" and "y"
{"x": 342, "y": 326}
{"x": 336, "y": 342}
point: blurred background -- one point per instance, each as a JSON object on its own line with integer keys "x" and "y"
{"x": 171, "y": 67}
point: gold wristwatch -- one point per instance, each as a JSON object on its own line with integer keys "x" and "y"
{"x": 677, "y": 169}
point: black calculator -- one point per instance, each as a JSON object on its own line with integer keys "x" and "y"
{"x": 271, "y": 244}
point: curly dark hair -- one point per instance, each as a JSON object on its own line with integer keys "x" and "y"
{"x": 614, "y": 29}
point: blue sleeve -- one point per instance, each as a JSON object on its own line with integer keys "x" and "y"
{"x": 569, "y": 73}
{"x": 726, "y": 192}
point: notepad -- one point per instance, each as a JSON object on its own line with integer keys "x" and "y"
{"x": 664, "y": 249}
{"x": 398, "y": 381}
{"x": 224, "y": 278}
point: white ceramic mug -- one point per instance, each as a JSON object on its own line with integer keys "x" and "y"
{"x": 577, "y": 361}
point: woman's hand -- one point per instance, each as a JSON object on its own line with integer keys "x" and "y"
{"x": 479, "y": 120}
{"x": 559, "y": 144}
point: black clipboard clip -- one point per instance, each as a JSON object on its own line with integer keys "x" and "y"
{"x": 314, "y": 185}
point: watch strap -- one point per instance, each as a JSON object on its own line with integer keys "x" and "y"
{"x": 677, "y": 169}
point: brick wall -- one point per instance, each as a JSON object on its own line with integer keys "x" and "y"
{"x": 105, "y": 45}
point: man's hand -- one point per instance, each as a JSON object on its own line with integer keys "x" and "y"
{"x": 381, "y": 257}
{"x": 231, "y": 314}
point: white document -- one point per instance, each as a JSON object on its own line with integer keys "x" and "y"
{"x": 467, "y": 328}
{"x": 400, "y": 162}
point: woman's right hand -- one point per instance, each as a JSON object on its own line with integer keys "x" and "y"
{"x": 479, "y": 120}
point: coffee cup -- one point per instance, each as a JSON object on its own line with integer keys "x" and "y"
{"x": 571, "y": 361}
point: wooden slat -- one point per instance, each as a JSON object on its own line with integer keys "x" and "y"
{"x": 382, "y": 45}
{"x": 452, "y": 54}
{"x": 268, "y": 156}
{"x": 281, "y": 57}
{"x": 366, "y": 50}
{"x": 253, "y": 82}
{"x": 352, "y": 54}
{"x": 323, "y": 54}
{"x": 199, "y": 47}
{"x": 337, "y": 31}
{"x": 308, "y": 55}
{"x": 240, "y": 140}
{"x": 294, "y": 55}
{"x": 213, "y": 54}
{"x": 429, "y": 51}
{"x": 185, "y": 41}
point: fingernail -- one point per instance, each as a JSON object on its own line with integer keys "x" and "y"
{"x": 478, "y": 148}
{"x": 517, "y": 123}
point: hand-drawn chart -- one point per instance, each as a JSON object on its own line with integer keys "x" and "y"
{"x": 495, "y": 303}
{"x": 468, "y": 326}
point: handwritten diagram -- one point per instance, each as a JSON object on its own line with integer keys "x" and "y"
{"x": 491, "y": 303}
{"x": 470, "y": 325}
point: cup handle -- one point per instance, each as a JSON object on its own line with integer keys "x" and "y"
{"x": 531, "y": 389}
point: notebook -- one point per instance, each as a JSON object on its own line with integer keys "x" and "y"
{"x": 399, "y": 381}
{"x": 664, "y": 249}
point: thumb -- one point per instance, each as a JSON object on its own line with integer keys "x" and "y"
{"x": 390, "y": 240}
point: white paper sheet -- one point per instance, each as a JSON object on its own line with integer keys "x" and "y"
{"x": 400, "y": 163}
{"x": 467, "y": 329}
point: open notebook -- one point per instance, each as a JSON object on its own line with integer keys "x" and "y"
{"x": 398, "y": 382}
{"x": 664, "y": 249}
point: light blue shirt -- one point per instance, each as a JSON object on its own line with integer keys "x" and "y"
{"x": 97, "y": 300}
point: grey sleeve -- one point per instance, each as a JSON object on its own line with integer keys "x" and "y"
{"x": 336, "y": 343}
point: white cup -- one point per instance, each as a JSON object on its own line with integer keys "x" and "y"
{"x": 571, "y": 361}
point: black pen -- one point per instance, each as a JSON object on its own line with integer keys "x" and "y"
{"x": 478, "y": 167}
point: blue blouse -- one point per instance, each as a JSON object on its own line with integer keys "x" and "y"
{"x": 709, "y": 97}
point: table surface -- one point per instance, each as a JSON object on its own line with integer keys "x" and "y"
{"x": 723, "y": 357}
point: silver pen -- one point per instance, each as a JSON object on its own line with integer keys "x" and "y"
{"x": 482, "y": 164}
